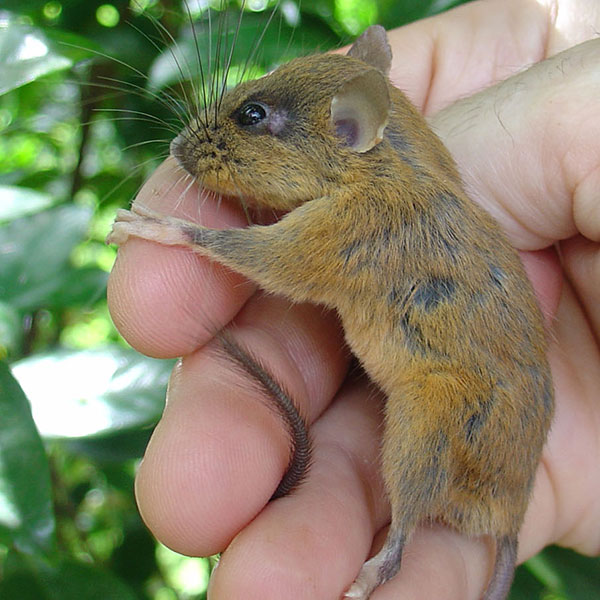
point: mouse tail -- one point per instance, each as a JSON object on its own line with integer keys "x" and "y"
{"x": 504, "y": 569}
{"x": 300, "y": 443}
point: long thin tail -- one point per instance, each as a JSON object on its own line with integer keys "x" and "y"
{"x": 504, "y": 569}
{"x": 300, "y": 443}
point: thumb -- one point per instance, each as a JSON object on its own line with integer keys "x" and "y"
{"x": 528, "y": 148}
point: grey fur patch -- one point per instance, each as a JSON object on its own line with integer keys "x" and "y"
{"x": 477, "y": 420}
{"x": 413, "y": 336}
{"x": 403, "y": 149}
{"x": 548, "y": 395}
{"x": 350, "y": 251}
{"x": 498, "y": 276}
{"x": 433, "y": 292}
{"x": 394, "y": 545}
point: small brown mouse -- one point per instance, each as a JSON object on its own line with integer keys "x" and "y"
{"x": 433, "y": 299}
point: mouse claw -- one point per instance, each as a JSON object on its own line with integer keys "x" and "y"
{"x": 146, "y": 224}
{"x": 143, "y": 211}
{"x": 356, "y": 591}
{"x": 124, "y": 215}
{"x": 118, "y": 234}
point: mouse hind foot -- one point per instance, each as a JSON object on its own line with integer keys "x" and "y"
{"x": 377, "y": 570}
{"x": 504, "y": 569}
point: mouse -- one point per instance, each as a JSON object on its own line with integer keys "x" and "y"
{"x": 434, "y": 301}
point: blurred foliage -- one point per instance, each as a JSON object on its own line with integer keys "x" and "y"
{"x": 88, "y": 104}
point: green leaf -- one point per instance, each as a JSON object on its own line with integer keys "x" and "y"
{"x": 74, "y": 581}
{"x": 356, "y": 15}
{"x": 526, "y": 586}
{"x": 79, "y": 287}
{"x": 113, "y": 449}
{"x": 26, "y": 517}
{"x": 28, "y": 53}
{"x": 34, "y": 252}
{"x": 10, "y": 330}
{"x": 135, "y": 559}
{"x": 17, "y": 202}
{"x": 103, "y": 391}
{"x": 31, "y": 578}
{"x": 21, "y": 586}
{"x": 579, "y": 575}
{"x": 393, "y": 13}
{"x": 278, "y": 43}
{"x": 22, "y": 6}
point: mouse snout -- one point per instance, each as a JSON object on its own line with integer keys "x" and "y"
{"x": 176, "y": 145}
{"x": 181, "y": 149}
{"x": 198, "y": 152}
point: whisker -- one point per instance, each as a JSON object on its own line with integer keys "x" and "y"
{"x": 201, "y": 70}
{"x": 131, "y": 175}
{"x": 256, "y": 44}
{"x": 188, "y": 187}
{"x": 164, "y": 99}
{"x": 222, "y": 33}
{"x": 147, "y": 143}
{"x": 160, "y": 28}
{"x": 231, "y": 51}
{"x": 138, "y": 115}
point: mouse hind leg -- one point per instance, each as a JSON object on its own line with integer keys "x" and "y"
{"x": 504, "y": 569}
{"x": 377, "y": 570}
{"x": 416, "y": 481}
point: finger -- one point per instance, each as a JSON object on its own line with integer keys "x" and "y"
{"x": 312, "y": 544}
{"x": 571, "y": 22}
{"x": 536, "y": 141}
{"x": 568, "y": 514}
{"x": 581, "y": 258}
{"x": 167, "y": 301}
{"x": 462, "y": 51}
{"x": 219, "y": 451}
{"x": 309, "y": 545}
{"x": 544, "y": 270}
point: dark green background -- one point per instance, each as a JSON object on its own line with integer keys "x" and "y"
{"x": 85, "y": 115}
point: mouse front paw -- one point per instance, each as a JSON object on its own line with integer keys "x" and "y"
{"x": 144, "y": 223}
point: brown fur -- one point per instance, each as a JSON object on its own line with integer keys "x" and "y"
{"x": 434, "y": 301}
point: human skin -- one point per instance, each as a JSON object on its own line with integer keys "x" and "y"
{"x": 529, "y": 151}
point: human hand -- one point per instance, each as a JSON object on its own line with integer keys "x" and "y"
{"x": 529, "y": 152}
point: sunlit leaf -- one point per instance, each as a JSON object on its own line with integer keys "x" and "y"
{"x": 28, "y": 53}
{"x": 16, "y": 202}
{"x": 26, "y": 515}
{"x": 100, "y": 391}
{"x": 356, "y": 15}
{"x": 34, "y": 252}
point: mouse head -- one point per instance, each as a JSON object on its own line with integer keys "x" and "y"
{"x": 296, "y": 134}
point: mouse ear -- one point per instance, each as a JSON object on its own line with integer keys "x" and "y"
{"x": 360, "y": 110}
{"x": 373, "y": 48}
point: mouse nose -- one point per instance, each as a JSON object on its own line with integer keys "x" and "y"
{"x": 181, "y": 149}
{"x": 175, "y": 145}
{"x": 196, "y": 152}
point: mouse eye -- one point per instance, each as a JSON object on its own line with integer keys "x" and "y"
{"x": 251, "y": 114}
